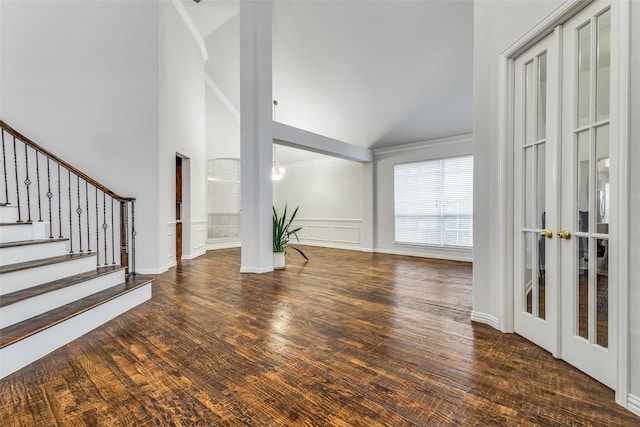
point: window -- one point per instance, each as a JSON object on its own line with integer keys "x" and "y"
{"x": 223, "y": 199}
{"x": 434, "y": 202}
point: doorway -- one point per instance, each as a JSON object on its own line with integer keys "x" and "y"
{"x": 178, "y": 209}
{"x": 563, "y": 205}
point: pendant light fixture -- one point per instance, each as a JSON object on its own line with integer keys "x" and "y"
{"x": 277, "y": 171}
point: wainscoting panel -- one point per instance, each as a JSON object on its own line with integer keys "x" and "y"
{"x": 198, "y": 238}
{"x": 330, "y": 232}
{"x": 321, "y": 233}
{"x": 171, "y": 241}
{"x": 346, "y": 234}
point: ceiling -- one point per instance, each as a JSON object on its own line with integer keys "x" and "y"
{"x": 375, "y": 73}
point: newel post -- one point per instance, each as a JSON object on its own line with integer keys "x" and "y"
{"x": 124, "y": 255}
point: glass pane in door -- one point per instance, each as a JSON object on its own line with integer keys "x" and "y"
{"x": 584, "y": 74}
{"x": 541, "y": 176}
{"x": 541, "y": 118}
{"x": 528, "y": 187}
{"x": 582, "y": 287}
{"x": 541, "y": 301}
{"x": 602, "y": 293}
{"x": 582, "y": 181}
{"x": 529, "y": 97}
{"x": 603, "y": 66}
{"x": 527, "y": 281}
{"x": 602, "y": 180}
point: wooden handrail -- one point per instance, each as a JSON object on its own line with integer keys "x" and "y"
{"x": 11, "y": 131}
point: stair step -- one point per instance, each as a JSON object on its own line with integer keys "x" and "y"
{"x": 19, "y": 231}
{"x": 8, "y": 213}
{"x": 42, "y": 262}
{"x": 29, "y": 250}
{"x": 14, "y": 333}
{"x": 30, "y": 242}
{"x": 55, "y": 285}
{"x": 28, "y": 303}
{"x": 16, "y": 277}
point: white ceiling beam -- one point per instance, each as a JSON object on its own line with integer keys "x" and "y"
{"x": 298, "y": 138}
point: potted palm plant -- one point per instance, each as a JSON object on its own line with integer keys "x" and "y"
{"x": 282, "y": 232}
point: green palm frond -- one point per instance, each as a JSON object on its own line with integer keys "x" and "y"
{"x": 282, "y": 230}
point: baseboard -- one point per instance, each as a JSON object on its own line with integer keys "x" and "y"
{"x": 256, "y": 270}
{"x": 332, "y": 245}
{"x": 485, "y": 318}
{"x": 212, "y": 246}
{"x": 195, "y": 254}
{"x": 156, "y": 270}
{"x": 450, "y": 255}
{"x": 633, "y": 404}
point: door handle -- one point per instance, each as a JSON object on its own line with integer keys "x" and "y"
{"x": 564, "y": 234}
{"x": 547, "y": 233}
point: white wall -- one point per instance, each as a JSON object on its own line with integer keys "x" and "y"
{"x": 223, "y": 99}
{"x": 329, "y": 194}
{"x": 634, "y": 216}
{"x": 493, "y": 33}
{"x": 384, "y": 165}
{"x": 81, "y": 79}
{"x": 182, "y": 130}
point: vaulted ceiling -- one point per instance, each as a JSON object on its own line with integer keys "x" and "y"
{"x": 374, "y": 73}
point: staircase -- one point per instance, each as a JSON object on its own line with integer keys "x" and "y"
{"x": 54, "y": 289}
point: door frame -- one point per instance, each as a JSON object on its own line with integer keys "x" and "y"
{"x": 621, "y": 21}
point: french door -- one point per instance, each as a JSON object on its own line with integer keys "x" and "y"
{"x": 536, "y": 194}
{"x": 563, "y": 194}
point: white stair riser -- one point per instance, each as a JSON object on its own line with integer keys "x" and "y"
{"x": 23, "y": 279}
{"x": 8, "y": 213}
{"x": 24, "y": 253}
{"x": 24, "y": 231}
{"x": 30, "y": 349}
{"x": 39, "y": 304}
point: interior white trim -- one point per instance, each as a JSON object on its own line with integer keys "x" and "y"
{"x": 328, "y": 220}
{"x": 505, "y": 190}
{"x": 633, "y": 404}
{"x": 623, "y": 9}
{"x": 545, "y": 27}
{"x": 256, "y": 270}
{"x": 450, "y": 254}
{"x": 431, "y": 143}
{"x": 485, "y": 318}
{"x": 222, "y": 97}
{"x": 191, "y": 26}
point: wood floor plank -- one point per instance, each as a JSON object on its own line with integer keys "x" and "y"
{"x": 348, "y": 339}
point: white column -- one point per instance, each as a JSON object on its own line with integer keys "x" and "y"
{"x": 367, "y": 239}
{"x": 256, "y": 136}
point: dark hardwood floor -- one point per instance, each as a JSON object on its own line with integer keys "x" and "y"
{"x": 349, "y": 339}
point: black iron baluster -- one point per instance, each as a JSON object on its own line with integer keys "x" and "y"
{"x": 104, "y": 224}
{"x": 70, "y": 224}
{"x": 49, "y": 196}
{"x": 133, "y": 238}
{"x": 79, "y": 212}
{"x": 59, "y": 205}
{"x": 6, "y": 181}
{"x": 97, "y": 233}
{"x": 27, "y": 181}
{"x": 38, "y": 182}
{"x": 86, "y": 199}
{"x": 15, "y": 166}
{"x": 113, "y": 238}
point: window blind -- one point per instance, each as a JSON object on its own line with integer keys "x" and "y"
{"x": 434, "y": 202}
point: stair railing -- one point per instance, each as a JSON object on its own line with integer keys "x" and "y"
{"x": 68, "y": 202}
